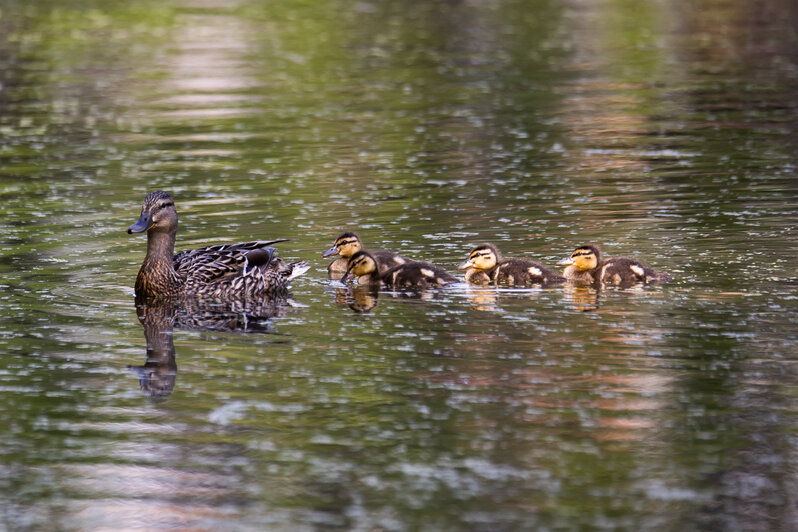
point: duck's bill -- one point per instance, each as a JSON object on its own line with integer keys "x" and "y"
{"x": 332, "y": 251}
{"x": 566, "y": 262}
{"x": 465, "y": 265}
{"x": 144, "y": 222}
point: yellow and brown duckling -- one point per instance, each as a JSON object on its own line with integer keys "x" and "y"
{"x": 225, "y": 271}
{"x": 347, "y": 244}
{"x": 485, "y": 266}
{"x": 364, "y": 266}
{"x": 585, "y": 266}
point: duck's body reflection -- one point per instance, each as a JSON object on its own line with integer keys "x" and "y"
{"x": 160, "y": 316}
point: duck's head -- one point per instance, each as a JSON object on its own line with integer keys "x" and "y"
{"x": 583, "y": 258}
{"x": 158, "y": 213}
{"x": 482, "y": 257}
{"x": 361, "y": 263}
{"x": 345, "y": 245}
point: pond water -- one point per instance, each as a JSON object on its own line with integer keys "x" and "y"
{"x": 664, "y": 130}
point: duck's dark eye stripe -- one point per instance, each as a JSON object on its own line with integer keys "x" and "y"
{"x": 345, "y": 242}
{"x": 164, "y": 205}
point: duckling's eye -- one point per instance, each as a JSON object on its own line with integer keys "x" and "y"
{"x": 344, "y": 243}
{"x": 165, "y": 205}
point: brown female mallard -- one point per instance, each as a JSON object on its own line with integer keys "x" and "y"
{"x": 224, "y": 271}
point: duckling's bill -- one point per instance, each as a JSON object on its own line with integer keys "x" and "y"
{"x": 330, "y": 252}
{"x": 466, "y": 265}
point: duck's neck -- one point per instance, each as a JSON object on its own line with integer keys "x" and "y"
{"x": 160, "y": 246}
{"x": 157, "y": 276}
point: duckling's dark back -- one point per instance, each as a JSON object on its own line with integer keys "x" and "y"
{"x": 523, "y": 272}
{"x": 417, "y": 274}
{"x": 388, "y": 259}
{"x": 626, "y": 271}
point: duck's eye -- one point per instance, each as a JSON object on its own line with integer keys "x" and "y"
{"x": 344, "y": 243}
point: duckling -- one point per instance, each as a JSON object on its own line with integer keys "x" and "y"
{"x": 484, "y": 265}
{"x": 224, "y": 271}
{"x": 411, "y": 274}
{"x": 585, "y": 266}
{"x": 347, "y": 244}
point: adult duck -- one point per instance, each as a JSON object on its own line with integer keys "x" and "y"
{"x": 224, "y": 271}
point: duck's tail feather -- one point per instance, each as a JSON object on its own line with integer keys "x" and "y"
{"x": 296, "y": 269}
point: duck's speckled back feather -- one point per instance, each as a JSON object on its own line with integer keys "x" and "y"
{"x": 186, "y": 261}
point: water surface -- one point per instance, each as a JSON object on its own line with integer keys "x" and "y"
{"x": 657, "y": 129}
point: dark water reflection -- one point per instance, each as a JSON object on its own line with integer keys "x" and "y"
{"x": 664, "y": 130}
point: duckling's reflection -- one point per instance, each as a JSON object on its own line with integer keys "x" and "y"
{"x": 484, "y": 299}
{"x": 159, "y": 317}
{"x": 582, "y": 298}
{"x": 360, "y": 298}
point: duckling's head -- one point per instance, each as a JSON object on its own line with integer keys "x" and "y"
{"x": 361, "y": 263}
{"x": 345, "y": 245}
{"x": 158, "y": 214}
{"x": 482, "y": 257}
{"x": 583, "y": 258}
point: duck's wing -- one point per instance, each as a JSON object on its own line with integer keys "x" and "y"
{"x": 213, "y": 264}
{"x": 227, "y": 255}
